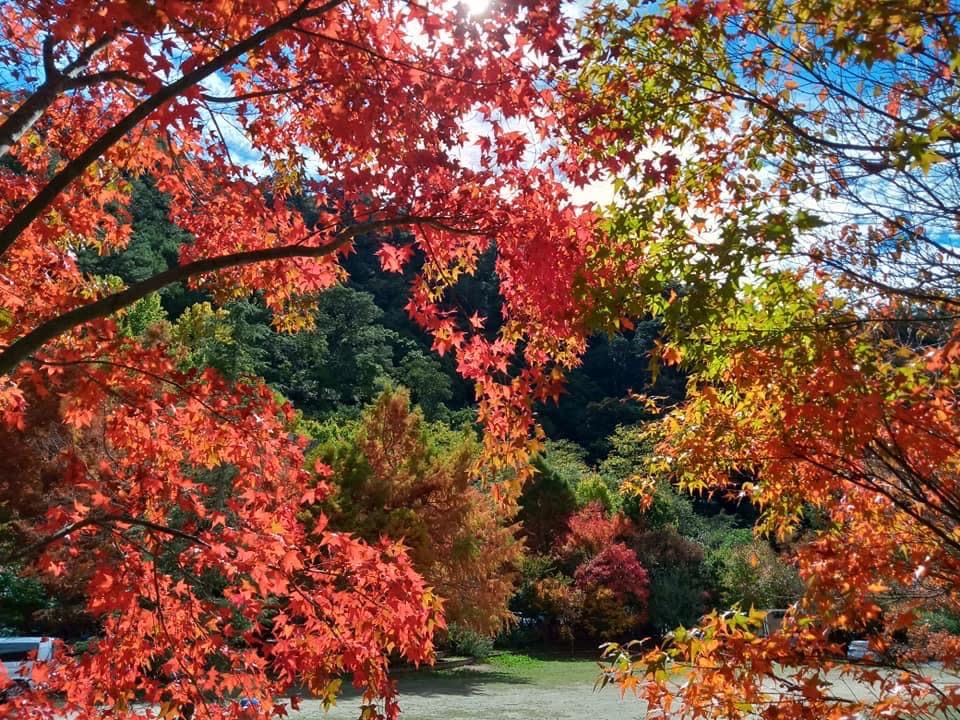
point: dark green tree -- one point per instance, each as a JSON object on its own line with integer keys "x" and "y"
{"x": 153, "y": 247}
{"x": 545, "y": 504}
{"x": 342, "y": 363}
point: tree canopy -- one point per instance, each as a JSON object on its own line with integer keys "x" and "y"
{"x": 793, "y": 167}
{"x": 165, "y": 471}
{"x": 783, "y": 243}
{"x": 396, "y": 476}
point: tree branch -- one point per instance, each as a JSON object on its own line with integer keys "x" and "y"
{"x": 105, "y": 76}
{"x": 86, "y": 55}
{"x": 73, "y": 169}
{"x": 21, "y": 349}
{"x": 392, "y": 61}
{"x": 100, "y": 520}
{"x": 40, "y": 545}
{"x": 132, "y": 368}
{"x": 55, "y": 82}
{"x": 254, "y": 94}
{"x": 912, "y": 293}
{"x": 163, "y": 529}
{"x": 49, "y": 66}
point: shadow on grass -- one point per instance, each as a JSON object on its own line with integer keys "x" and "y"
{"x": 531, "y": 669}
{"x": 462, "y": 681}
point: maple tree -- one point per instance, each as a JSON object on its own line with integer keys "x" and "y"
{"x": 789, "y": 215}
{"x": 188, "y": 476}
{"x": 614, "y": 584}
{"x": 591, "y": 530}
{"x": 786, "y": 171}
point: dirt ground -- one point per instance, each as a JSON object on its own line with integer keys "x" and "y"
{"x": 523, "y": 688}
{"x": 537, "y": 690}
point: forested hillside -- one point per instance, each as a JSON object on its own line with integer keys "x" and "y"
{"x": 363, "y": 338}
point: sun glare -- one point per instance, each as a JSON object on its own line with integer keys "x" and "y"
{"x": 476, "y": 7}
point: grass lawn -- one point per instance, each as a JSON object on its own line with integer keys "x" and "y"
{"x": 507, "y": 687}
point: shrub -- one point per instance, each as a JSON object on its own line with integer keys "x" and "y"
{"x": 942, "y": 620}
{"x": 593, "y": 488}
{"x": 464, "y": 641}
{"x": 591, "y": 530}
{"x": 617, "y": 568}
{"x": 753, "y": 575}
{"x": 614, "y": 590}
{"x": 680, "y": 582}
{"x": 21, "y": 598}
{"x": 545, "y": 504}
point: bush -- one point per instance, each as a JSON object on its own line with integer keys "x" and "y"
{"x": 614, "y": 589}
{"x": 567, "y": 460}
{"x": 464, "y": 641}
{"x": 941, "y": 620}
{"x": 934, "y": 638}
{"x": 545, "y": 504}
{"x": 590, "y": 531}
{"x": 21, "y": 599}
{"x": 533, "y": 569}
{"x": 753, "y": 575}
{"x": 680, "y": 582}
{"x": 592, "y": 488}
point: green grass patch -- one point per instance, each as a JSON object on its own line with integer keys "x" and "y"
{"x": 545, "y": 670}
{"x": 515, "y": 661}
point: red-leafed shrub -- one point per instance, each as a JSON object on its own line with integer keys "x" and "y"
{"x": 599, "y": 587}
{"x": 617, "y": 569}
{"x": 592, "y": 530}
{"x": 613, "y": 587}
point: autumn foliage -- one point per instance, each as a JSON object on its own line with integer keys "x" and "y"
{"x": 142, "y": 524}
{"x": 394, "y": 476}
{"x": 596, "y": 586}
{"x": 787, "y": 213}
{"x": 614, "y": 584}
{"x": 590, "y": 531}
{"x": 798, "y": 199}
{"x": 184, "y": 511}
